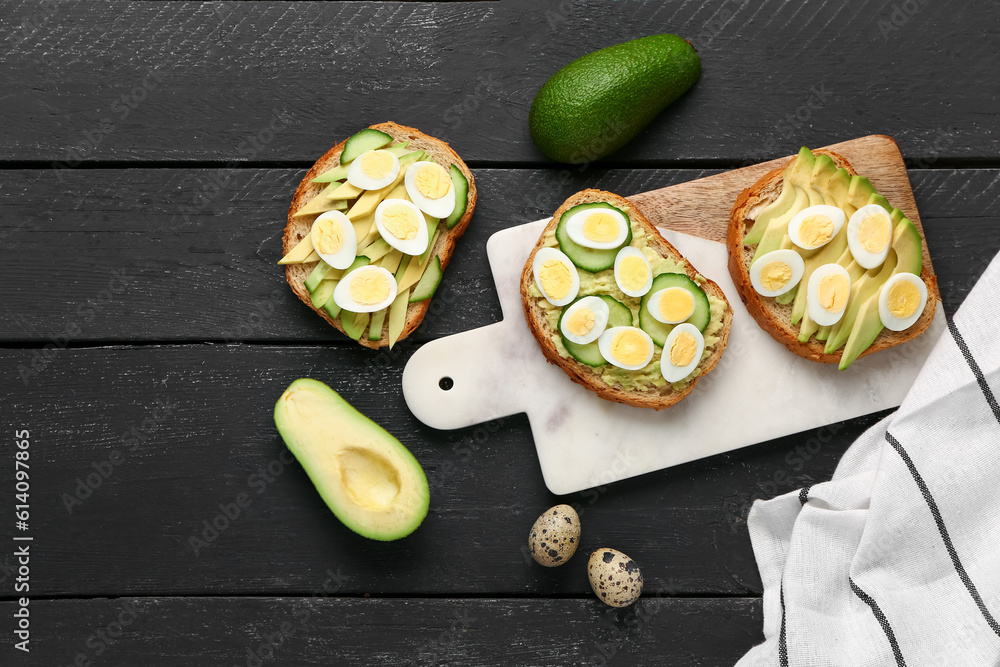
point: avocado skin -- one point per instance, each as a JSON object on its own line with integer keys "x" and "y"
{"x": 599, "y": 102}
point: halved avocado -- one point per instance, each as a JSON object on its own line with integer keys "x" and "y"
{"x": 367, "y": 478}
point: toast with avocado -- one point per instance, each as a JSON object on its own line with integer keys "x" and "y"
{"x": 371, "y": 228}
{"x": 618, "y": 308}
{"x": 826, "y": 264}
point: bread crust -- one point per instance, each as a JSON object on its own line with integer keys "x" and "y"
{"x": 297, "y": 228}
{"x": 775, "y": 318}
{"x": 587, "y": 376}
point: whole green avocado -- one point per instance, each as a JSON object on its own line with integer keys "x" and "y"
{"x": 599, "y": 102}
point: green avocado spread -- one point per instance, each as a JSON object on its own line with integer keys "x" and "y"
{"x": 603, "y": 282}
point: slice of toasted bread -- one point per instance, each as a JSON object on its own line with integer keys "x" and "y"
{"x": 588, "y": 376}
{"x": 775, "y": 318}
{"x": 297, "y": 228}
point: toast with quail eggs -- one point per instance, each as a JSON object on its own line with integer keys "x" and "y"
{"x": 825, "y": 264}
{"x": 372, "y": 226}
{"x": 618, "y": 308}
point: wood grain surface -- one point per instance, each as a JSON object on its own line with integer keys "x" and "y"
{"x": 402, "y": 632}
{"x": 148, "y": 153}
{"x": 775, "y": 75}
{"x": 213, "y": 277}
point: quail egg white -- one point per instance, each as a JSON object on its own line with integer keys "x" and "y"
{"x": 671, "y": 305}
{"x": 614, "y": 577}
{"x": 555, "y": 276}
{"x": 585, "y": 320}
{"x": 815, "y": 226}
{"x": 365, "y": 290}
{"x": 632, "y": 272}
{"x": 827, "y": 294}
{"x": 901, "y": 301}
{"x": 869, "y": 235}
{"x": 334, "y": 239}
{"x": 555, "y": 536}
{"x": 776, "y": 272}
{"x": 599, "y": 228}
{"x": 402, "y": 226}
{"x": 373, "y": 170}
{"x": 630, "y": 348}
{"x": 429, "y": 186}
{"x": 681, "y": 352}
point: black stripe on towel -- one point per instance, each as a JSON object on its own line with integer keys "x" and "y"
{"x": 804, "y": 494}
{"x": 976, "y": 370}
{"x": 936, "y": 513}
{"x": 882, "y": 620}
{"x": 782, "y": 644}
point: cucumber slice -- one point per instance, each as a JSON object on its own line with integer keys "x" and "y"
{"x": 461, "y": 185}
{"x": 319, "y": 273}
{"x": 365, "y": 140}
{"x": 589, "y": 259}
{"x": 659, "y": 331}
{"x": 428, "y": 282}
{"x": 590, "y": 353}
{"x": 339, "y": 172}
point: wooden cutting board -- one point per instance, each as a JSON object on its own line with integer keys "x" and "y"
{"x": 758, "y": 391}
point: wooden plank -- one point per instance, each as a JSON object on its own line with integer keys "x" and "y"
{"x": 137, "y": 451}
{"x": 342, "y": 631}
{"x": 212, "y": 274}
{"x": 280, "y": 81}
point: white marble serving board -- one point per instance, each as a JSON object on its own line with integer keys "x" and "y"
{"x": 757, "y": 392}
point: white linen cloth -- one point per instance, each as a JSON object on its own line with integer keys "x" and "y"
{"x": 896, "y": 560}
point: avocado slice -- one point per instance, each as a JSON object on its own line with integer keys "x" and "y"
{"x": 367, "y": 478}
{"x": 799, "y": 174}
{"x": 860, "y": 191}
{"x": 907, "y": 244}
{"x": 773, "y": 210}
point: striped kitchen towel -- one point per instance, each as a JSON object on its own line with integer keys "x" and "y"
{"x": 896, "y": 560}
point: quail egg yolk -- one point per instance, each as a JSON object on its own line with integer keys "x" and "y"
{"x": 775, "y": 275}
{"x": 376, "y": 164}
{"x": 601, "y": 227}
{"x": 370, "y": 288}
{"x": 633, "y": 273}
{"x": 555, "y": 278}
{"x": 873, "y": 232}
{"x": 815, "y": 230}
{"x": 580, "y": 321}
{"x": 682, "y": 350}
{"x": 330, "y": 237}
{"x": 629, "y": 348}
{"x": 833, "y": 291}
{"x": 401, "y": 221}
{"x": 904, "y": 298}
{"x": 432, "y": 181}
{"x": 676, "y": 304}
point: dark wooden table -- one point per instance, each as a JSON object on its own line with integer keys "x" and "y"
{"x": 149, "y": 153}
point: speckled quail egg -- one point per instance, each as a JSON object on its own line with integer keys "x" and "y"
{"x": 555, "y": 536}
{"x": 615, "y": 577}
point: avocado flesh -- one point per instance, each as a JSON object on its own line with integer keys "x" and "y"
{"x": 798, "y": 174}
{"x": 864, "y": 283}
{"x": 823, "y": 170}
{"x": 907, "y": 247}
{"x": 367, "y": 478}
{"x": 776, "y": 208}
{"x": 844, "y": 191}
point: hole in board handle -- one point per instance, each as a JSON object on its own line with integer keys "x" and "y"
{"x": 446, "y": 383}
